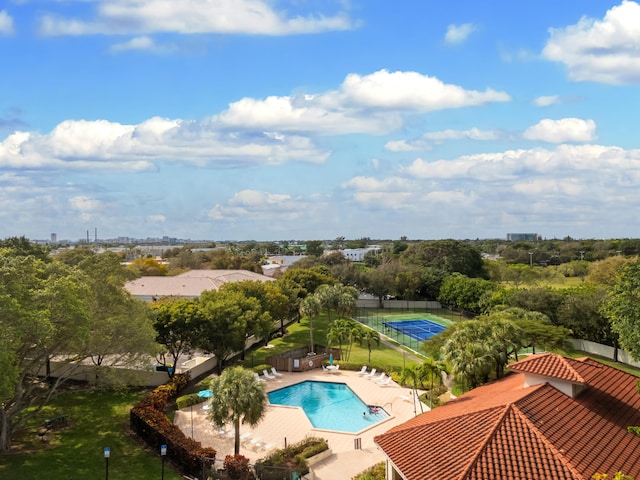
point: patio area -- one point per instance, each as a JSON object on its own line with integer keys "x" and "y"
{"x": 352, "y": 453}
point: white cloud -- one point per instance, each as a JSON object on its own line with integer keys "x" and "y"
{"x": 192, "y": 17}
{"x": 605, "y": 51}
{"x": 103, "y": 145}
{"x": 266, "y": 207}
{"x": 458, "y": 33}
{"x": 157, "y": 218}
{"x": 6, "y": 23}
{"x": 143, "y": 43}
{"x": 546, "y": 100}
{"x": 471, "y": 134}
{"x": 407, "y": 145}
{"x": 412, "y": 91}
{"x": 574, "y": 130}
{"x": 364, "y": 104}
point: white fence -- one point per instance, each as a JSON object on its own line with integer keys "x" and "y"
{"x": 603, "y": 351}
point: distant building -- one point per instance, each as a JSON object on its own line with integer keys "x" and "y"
{"x": 190, "y": 284}
{"x": 523, "y": 237}
{"x": 357, "y": 254}
{"x": 54, "y": 238}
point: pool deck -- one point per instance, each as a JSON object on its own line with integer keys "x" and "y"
{"x": 290, "y": 424}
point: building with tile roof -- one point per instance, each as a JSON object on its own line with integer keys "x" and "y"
{"x": 551, "y": 417}
{"x": 190, "y": 284}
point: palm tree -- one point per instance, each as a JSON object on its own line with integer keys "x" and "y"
{"x": 310, "y": 307}
{"x": 238, "y": 397}
{"x": 370, "y": 336}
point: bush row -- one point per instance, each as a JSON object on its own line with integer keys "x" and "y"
{"x": 149, "y": 421}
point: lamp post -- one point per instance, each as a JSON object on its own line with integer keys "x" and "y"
{"x": 163, "y": 453}
{"x": 581, "y": 254}
{"x": 531, "y": 259}
{"x": 107, "y": 454}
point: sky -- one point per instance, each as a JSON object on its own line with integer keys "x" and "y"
{"x": 314, "y": 119}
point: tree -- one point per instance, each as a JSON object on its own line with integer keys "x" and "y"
{"x": 623, "y": 308}
{"x": 370, "y": 336}
{"x": 466, "y": 293}
{"x": 379, "y": 282}
{"x": 581, "y": 312}
{"x": 604, "y": 272}
{"x": 315, "y": 247}
{"x": 45, "y": 314}
{"x": 177, "y": 322}
{"x": 238, "y": 397}
{"x": 310, "y": 307}
{"x": 122, "y": 330}
{"x": 147, "y": 267}
{"x": 448, "y": 255}
{"x": 468, "y": 351}
{"x": 227, "y": 317}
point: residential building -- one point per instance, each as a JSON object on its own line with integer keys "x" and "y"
{"x": 190, "y": 284}
{"x": 550, "y": 418}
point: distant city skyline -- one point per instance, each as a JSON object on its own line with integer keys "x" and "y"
{"x": 271, "y": 119}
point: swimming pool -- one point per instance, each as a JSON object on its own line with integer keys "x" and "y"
{"x": 329, "y": 406}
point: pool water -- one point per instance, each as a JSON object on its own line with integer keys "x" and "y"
{"x": 329, "y": 406}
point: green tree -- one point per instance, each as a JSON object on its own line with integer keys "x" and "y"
{"x": 448, "y": 255}
{"x": 238, "y": 397}
{"x": 370, "y": 337}
{"x": 315, "y": 247}
{"x": 468, "y": 351}
{"x": 177, "y": 322}
{"x": 460, "y": 291}
{"x": 623, "y": 308}
{"x": 45, "y": 315}
{"x": 228, "y": 317}
{"x": 605, "y": 272}
{"x": 310, "y": 307}
{"x": 148, "y": 267}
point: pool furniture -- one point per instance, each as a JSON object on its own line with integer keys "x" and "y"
{"x": 379, "y": 377}
{"x": 371, "y": 373}
{"x": 275, "y": 372}
{"x": 363, "y": 370}
{"x": 267, "y": 375}
{"x": 258, "y": 377}
{"x": 384, "y": 382}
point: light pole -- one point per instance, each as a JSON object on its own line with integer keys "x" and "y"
{"x": 581, "y": 254}
{"x": 191, "y": 421}
{"x": 163, "y": 453}
{"x": 531, "y": 259}
{"x": 107, "y": 454}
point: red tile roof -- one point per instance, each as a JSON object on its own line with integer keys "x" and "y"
{"x": 504, "y": 430}
{"x": 549, "y": 365}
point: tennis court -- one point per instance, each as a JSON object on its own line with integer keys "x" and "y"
{"x": 420, "y": 329}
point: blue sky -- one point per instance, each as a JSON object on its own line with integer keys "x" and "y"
{"x": 313, "y": 119}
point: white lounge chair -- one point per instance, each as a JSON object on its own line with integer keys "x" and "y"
{"x": 258, "y": 377}
{"x": 379, "y": 377}
{"x": 256, "y": 442}
{"x": 371, "y": 373}
{"x": 275, "y": 372}
{"x": 267, "y": 375}
{"x": 385, "y": 381}
{"x": 363, "y": 370}
{"x": 245, "y": 437}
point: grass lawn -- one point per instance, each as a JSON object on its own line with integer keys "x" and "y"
{"x": 97, "y": 419}
{"x": 298, "y": 335}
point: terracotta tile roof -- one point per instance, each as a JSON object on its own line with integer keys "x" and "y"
{"x": 504, "y": 430}
{"x": 549, "y": 365}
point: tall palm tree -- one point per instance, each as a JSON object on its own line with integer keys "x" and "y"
{"x": 310, "y": 307}
{"x": 370, "y": 336}
{"x": 238, "y": 397}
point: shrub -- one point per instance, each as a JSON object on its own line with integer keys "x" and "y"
{"x": 237, "y": 467}
{"x": 377, "y": 472}
{"x": 149, "y": 421}
{"x": 295, "y": 456}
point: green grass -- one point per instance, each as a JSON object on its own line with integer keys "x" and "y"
{"x": 298, "y": 335}
{"x": 97, "y": 419}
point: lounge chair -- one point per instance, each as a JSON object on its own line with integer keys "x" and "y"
{"x": 256, "y": 442}
{"x": 380, "y": 378}
{"x": 385, "y": 381}
{"x": 363, "y": 370}
{"x": 258, "y": 377}
{"x": 245, "y": 437}
{"x": 275, "y": 372}
{"x": 371, "y": 373}
{"x": 267, "y": 375}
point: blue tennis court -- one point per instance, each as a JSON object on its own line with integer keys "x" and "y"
{"x": 416, "y": 329}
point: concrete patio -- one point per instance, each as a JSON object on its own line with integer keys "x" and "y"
{"x": 352, "y": 453}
